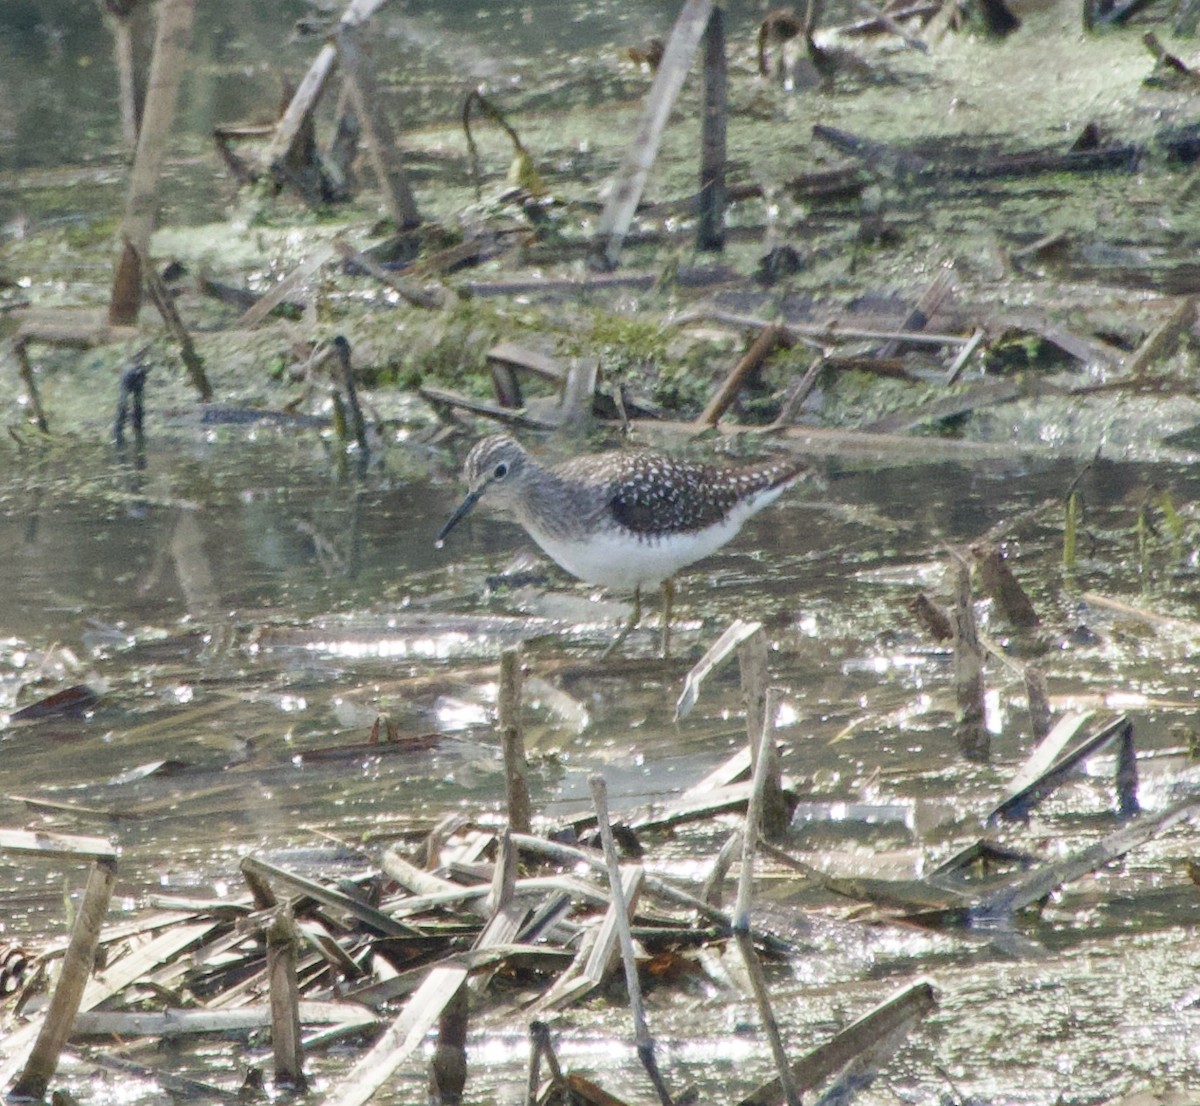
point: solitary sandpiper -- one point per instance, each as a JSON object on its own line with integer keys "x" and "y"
{"x": 626, "y": 519}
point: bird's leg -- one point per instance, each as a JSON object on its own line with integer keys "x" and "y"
{"x": 668, "y": 601}
{"x": 634, "y": 619}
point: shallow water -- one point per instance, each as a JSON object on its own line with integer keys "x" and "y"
{"x": 241, "y": 605}
{"x": 247, "y": 607}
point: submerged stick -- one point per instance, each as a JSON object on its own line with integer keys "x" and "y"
{"x": 645, "y": 1043}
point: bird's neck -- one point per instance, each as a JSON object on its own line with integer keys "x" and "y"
{"x": 553, "y": 503}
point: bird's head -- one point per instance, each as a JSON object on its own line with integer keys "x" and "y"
{"x": 495, "y": 466}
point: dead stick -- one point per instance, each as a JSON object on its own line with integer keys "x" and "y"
{"x": 504, "y": 875}
{"x": 917, "y": 319}
{"x": 816, "y": 333}
{"x": 964, "y": 355}
{"x": 643, "y": 148}
{"x": 1038, "y": 697}
{"x": 72, "y": 979}
{"x": 741, "y": 913}
{"x": 31, "y": 389}
{"x": 167, "y": 65}
{"x": 771, "y": 338}
{"x": 282, "y": 942}
{"x": 516, "y": 769}
{"x": 448, "y": 1067}
{"x": 341, "y": 349}
{"x": 645, "y": 1043}
{"x": 710, "y": 226}
{"x": 418, "y": 297}
{"x": 760, "y": 732}
{"x": 381, "y": 143}
{"x": 1163, "y": 337}
{"x": 970, "y": 727}
{"x": 793, "y": 401}
{"x": 165, "y": 306}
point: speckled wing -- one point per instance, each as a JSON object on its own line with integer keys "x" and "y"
{"x": 657, "y": 495}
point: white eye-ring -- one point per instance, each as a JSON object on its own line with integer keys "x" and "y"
{"x": 501, "y": 471}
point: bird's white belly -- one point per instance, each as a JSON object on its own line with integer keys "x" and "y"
{"x": 623, "y": 561}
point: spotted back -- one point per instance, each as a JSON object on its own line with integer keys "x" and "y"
{"x": 655, "y": 494}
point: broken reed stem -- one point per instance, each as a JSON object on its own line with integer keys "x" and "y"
{"x": 167, "y": 65}
{"x": 630, "y": 179}
{"x": 1071, "y": 529}
{"x": 767, "y": 342}
{"x": 165, "y": 306}
{"x": 448, "y": 1067}
{"x": 504, "y": 875}
{"x": 997, "y": 580}
{"x": 283, "y": 940}
{"x": 72, "y": 979}
{"x": 1038, "y": 697}
{"x": 711, "y": 892}
{"x": 645, "y": 1043}
{"x": 755, "y": 810}
{"x": 969, "y": 728}
{"x": 760, "y": 732}
{"x": 259, "y": 887}
{"x": 25, "y": 368}
{"x": 710, "y": 225}
{"x": 382, "y": 148}
{"x": 516, "y": 769}
{"x": 341, "y": 349}
{"x": 540, "y": 1046}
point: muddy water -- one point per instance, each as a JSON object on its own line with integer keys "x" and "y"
{"x": 242, "y": 606}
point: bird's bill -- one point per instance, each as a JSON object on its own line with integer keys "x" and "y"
{"x": 463, "y": 509}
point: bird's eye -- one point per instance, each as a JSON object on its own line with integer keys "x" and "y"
{"x": 501, "y": 471}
